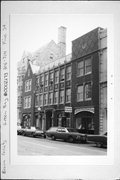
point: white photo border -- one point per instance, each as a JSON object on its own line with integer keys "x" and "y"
{"x": 26, "y": 167}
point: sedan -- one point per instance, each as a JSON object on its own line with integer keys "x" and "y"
{"x": 19, "y": 130}
{"x": 39, "y": 133}
{"x": 67, "y": 134}
{"x": 99, "y": 140}
{"x": 29, "y": 132}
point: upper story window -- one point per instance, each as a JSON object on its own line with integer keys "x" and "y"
{"x": 62, "y": 74}
{"x": 19, "y": 100}
{"x": 51, "y": 77}
{"x": 88, "y": 65}
{"x": 36, "y": 99}
{"x": 56, "y": 76}
{"x": 68, "y": 95}
{"x": 62, "y": 96}
{"x": 56, "y": 97}
{"x": 88, "y": 91}
{"x": 41, "y": 99}
{"x": 37, "y": 81}
{"x": 80, "y": 93}
{"x": 68, "y": 73}
{"x": 45, "y": 99}
{"x": 27, "y": 102}
{"x": 50, "y": 100}
{"x": 80, "y": 68}
{"x": 41, "y": 80}
{"x": 46, "y": 79}
{"x": 28, "y": 84}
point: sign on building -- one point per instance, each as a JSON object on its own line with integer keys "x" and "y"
{"x": 68, "y": 109}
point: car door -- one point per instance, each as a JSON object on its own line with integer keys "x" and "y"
{"x": 62, "y": 133}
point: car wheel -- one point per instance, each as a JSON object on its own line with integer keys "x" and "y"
{"x": 70, "y": 139}
{"x": 53, "y": 137}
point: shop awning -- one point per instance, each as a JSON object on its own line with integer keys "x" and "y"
{"x": 84, "y": 109}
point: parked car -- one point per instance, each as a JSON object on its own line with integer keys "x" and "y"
{"x": 29, "y": 132}
{"x": 39, "y": 133}
{"x": 99, "y": 140}
{"x": 65, "y": 133}
{"x": 20, "y": 130}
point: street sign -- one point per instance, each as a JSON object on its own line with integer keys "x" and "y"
{"x": 68, "y": 109}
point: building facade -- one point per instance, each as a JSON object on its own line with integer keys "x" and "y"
{"x": 69, "y": 91}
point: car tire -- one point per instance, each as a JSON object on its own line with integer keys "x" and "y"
{"x": 53, "y": 137}
{"x": 70, "y": 139}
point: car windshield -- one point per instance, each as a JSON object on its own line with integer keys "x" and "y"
{"x": 72, "y": 130}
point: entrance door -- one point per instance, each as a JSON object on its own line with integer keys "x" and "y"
{"x": 48, "y": 119}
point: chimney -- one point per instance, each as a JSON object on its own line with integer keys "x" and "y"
{"x": 62, "y": 40}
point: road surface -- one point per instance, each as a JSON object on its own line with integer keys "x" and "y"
{"x": 41, "y": 146}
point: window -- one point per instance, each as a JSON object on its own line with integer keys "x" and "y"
{"x": 56, "y": 76}
{"x": 28, "y": 85}
{"x": 41, "y": 99}
{"x": 80, "y": 66}
{"x": 61, "y": 96}
{"x": 19, "y": 100}
{"x": 36, "y": 100}
{"x": 51, "y": 77}
{"x": 20, "y": 88}
{"x": 80, "y": 93}
{"x": 45, "y": 99}
{"x": 68, "y": 73}
{"x": 56, "y": 98}
{"x": 50, "y": 98}
{"x": 62, "y": 74}
{"x": 27, "y": 102}
{"x": 68, "y": 95}
{"x": 37, "y": 81}
{"x": 88, "y": 66}
{"x": 46, "y": 79}
{"x": 41, "y": 80}
{"x": 88, "y": 91}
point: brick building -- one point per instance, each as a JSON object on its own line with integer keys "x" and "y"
{"x": 67, "y": 92}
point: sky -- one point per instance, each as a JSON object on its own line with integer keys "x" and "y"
{"x": 29, "y": 32}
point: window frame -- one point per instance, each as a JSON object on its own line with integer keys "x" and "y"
{"x": 68, "y": 100}
{"x": 82, "y": 92}
{"x": 89, "y": 98}
{"x": 85, "y": 67}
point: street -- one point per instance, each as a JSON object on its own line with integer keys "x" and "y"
{"x": 41, "y": 146}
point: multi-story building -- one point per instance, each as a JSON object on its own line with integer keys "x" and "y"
{"x": 68, "y": 91}
{"x": 28, "y": 94}
{"x": 46, "y": 54}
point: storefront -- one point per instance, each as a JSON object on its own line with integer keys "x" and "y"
{"x": 84, "y": 118}
{"x": 26, "y": 120}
